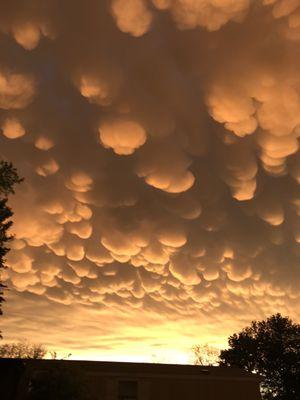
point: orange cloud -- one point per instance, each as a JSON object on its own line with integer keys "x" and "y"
{"x": 159, "y": 142}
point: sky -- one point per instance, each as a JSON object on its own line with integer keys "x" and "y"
{"x": 159, "y": 145}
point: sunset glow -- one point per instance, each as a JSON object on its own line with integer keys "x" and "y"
{"x": 159, "y": 145}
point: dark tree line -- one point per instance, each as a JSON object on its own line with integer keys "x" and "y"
{"x": 270, "y": 348}
{"x": 8, "y": 179}
{"x": 24, "y": 350}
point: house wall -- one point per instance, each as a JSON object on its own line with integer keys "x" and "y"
{"x": 176, "y": 388}
{"x": 10, "y": 376}
{"x": 152, "y": 384}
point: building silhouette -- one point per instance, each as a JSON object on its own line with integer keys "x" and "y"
{"x": 132, "y": 381}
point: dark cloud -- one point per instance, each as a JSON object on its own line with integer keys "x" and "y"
{"x": 159, "y": 141}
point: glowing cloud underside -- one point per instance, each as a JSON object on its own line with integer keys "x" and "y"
{"x": 159, "y": 141}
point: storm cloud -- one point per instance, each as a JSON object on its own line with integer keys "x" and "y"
{"x": 159, "y": 142}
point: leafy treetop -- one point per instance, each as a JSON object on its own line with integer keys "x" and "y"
{"x": 271, "y": 348}
{"x": 8, "y": 178}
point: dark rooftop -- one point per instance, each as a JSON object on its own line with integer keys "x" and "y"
{"x": 107, "y": 367}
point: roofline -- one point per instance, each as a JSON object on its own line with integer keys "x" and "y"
{"x": 196, "y": 371}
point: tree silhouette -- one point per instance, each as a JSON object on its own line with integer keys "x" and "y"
{"x": 271, "y": 348}
{"x": 203, "y": 354}
{"x": 8, "y": 178}
{"x": 23, "y": 350}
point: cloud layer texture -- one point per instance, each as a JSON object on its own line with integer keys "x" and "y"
{"x": 159, "y": 142}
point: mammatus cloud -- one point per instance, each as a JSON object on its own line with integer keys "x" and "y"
{"x": 17, "y": 90}
{"x": 123, "y": 136}
{"x": 12, "y": 129}
{"x": 133, "y": 16}
{"x": 159, "y": 141}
